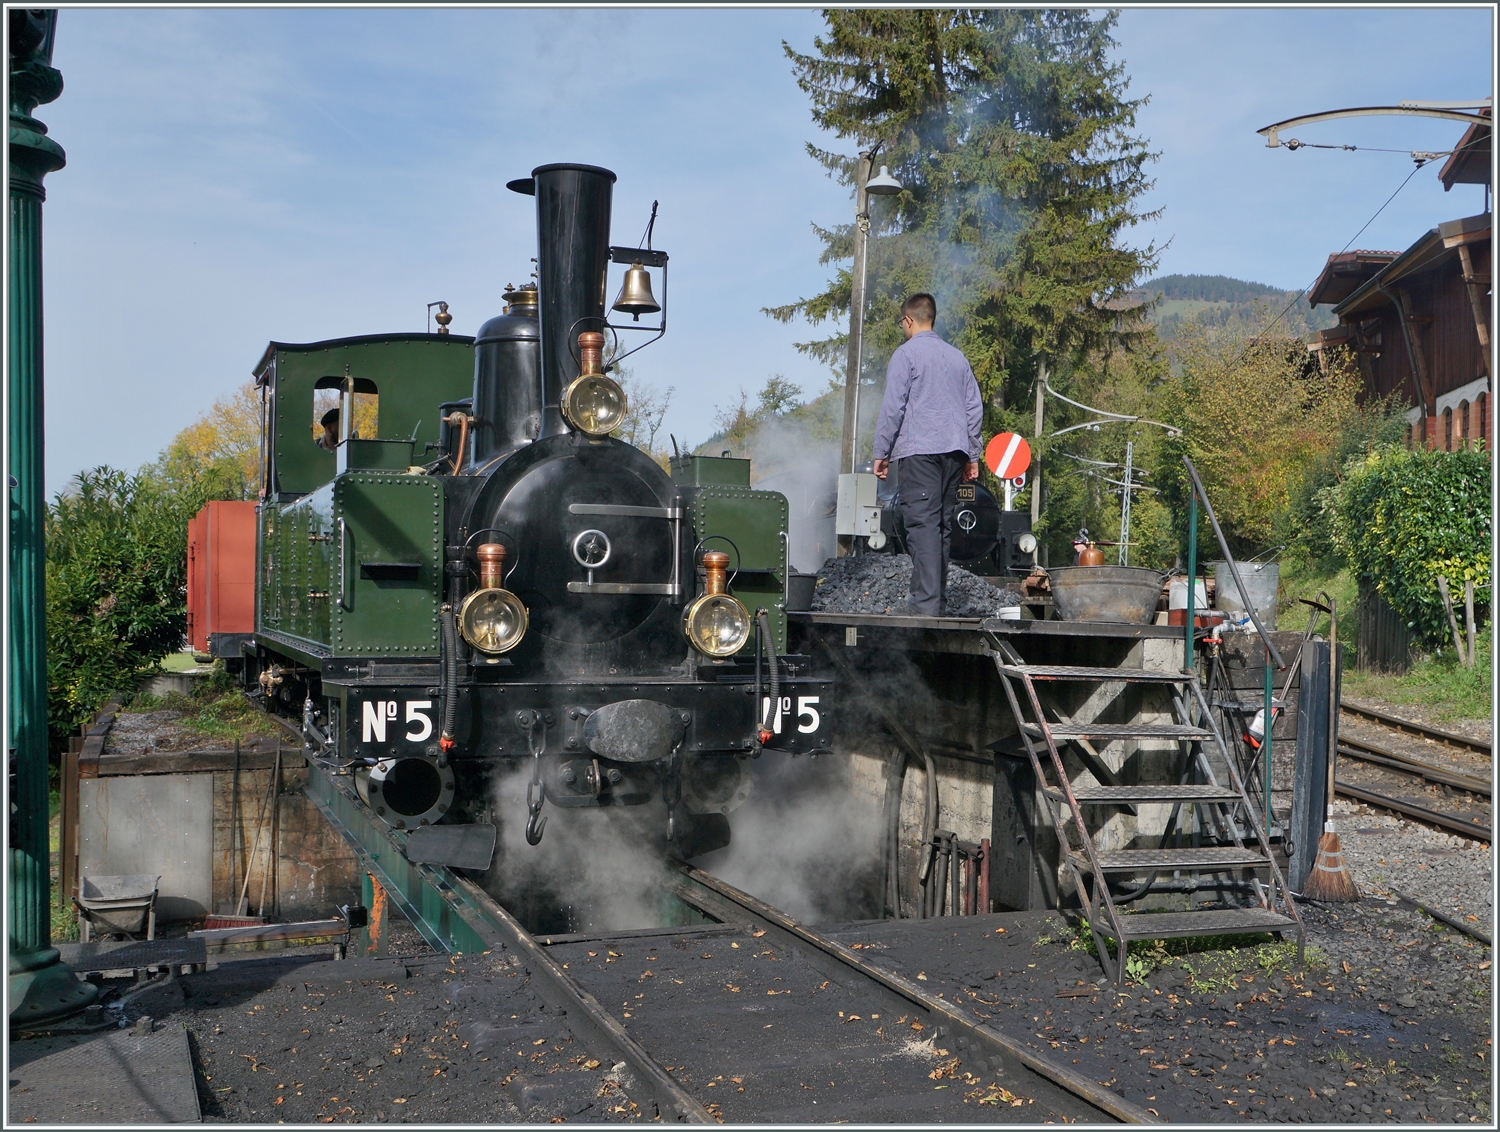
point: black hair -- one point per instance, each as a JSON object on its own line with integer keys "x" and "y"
{"x": 920, "y": 307}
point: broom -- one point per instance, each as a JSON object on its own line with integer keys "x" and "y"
{"x": 1330, "y": 880}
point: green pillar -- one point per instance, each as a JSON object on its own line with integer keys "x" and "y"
{"x": 41, "y": 987}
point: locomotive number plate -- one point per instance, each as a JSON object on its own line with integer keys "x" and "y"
{"x": 410, "y": 720}
{"x": 965, "y": 492}
{"x": 801, "y": 711}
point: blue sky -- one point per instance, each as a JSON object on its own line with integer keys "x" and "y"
{"x": 236, "y": 176}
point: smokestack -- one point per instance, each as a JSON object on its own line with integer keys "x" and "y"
{"x": 572, "y": 239}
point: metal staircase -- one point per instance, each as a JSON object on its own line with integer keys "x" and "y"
{"x": 1226, "y": 815}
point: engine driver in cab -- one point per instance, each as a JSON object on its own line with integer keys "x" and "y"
{"x": 329, "y": 438}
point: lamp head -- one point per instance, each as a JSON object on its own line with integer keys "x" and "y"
{"x": 883, "y": 184}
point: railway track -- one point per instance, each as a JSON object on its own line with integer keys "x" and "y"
{"x": 745, "y": 1016}
{"x": 764, "y": 1019}
{"x": 1420, "y": 730}
{"x": 1406, "y": 767}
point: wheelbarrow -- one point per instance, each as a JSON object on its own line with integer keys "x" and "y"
{"x": 116, "y": 905}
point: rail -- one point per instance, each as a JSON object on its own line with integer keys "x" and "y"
{"x": 1377, "y": 755}
{"x": 456, "y": 915}
{"x": 723, "y": 901}
{"x": 1421, "y": 813}
{"x": 1234, "y": 572}
{"x": 1421, "y": 730}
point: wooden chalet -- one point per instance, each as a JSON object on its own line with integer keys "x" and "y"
{"x": 1418, "y": 320}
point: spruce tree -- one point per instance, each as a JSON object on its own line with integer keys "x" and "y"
{"x": 1012, "y": 134}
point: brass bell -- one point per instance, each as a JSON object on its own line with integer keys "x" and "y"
{"x": 636, "y": 298}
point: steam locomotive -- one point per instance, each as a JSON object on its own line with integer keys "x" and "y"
{"x": 470, "y": 577}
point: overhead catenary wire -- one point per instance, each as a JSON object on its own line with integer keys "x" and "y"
{"x": 1421, "y": 164}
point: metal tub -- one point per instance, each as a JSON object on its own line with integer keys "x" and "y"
{"x": 117, "y": 905}
{"x": 1122, "y": 594}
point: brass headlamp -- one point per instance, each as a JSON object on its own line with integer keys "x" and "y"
{"x": 593, "y": 403}
{"x": 715, "y": 623}
{"x": 492, "y": 619}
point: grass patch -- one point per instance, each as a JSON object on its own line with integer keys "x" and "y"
{"x": 1438, "y": 683}
{"x": 216, "y": 708}
{"x": 178, "y": 662}
{"x": 1214, "y": 964}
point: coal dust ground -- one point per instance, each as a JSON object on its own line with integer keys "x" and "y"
{"x": 881, "y": 583}
{"x": 1390, "y": 1023}
{"x": 304, "y": 1040}
{"x": 773, "y": 1035}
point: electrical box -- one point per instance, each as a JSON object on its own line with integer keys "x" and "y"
{"x": 859, "y": 505}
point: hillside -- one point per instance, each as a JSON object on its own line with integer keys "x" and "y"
{"x": 1221, "y": 301}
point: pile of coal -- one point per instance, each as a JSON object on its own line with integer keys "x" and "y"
{"x": 881, "y": 583}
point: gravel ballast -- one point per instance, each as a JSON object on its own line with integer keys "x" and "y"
{"x": 881, "y": 583}
{"x": 1386, "y": 855}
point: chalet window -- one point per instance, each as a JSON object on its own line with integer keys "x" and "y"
{"x": 1448, "y": 430}
{"x": 1463, "y": 420}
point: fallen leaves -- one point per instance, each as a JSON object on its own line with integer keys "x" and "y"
{"x": 757, "y": 934}
{"x": 995, "y": 1095}
{"x": 731, "y": 988}
{"x": 947, "y": 1068}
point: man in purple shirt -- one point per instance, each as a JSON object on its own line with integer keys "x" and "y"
{"x": 929, "y": 424}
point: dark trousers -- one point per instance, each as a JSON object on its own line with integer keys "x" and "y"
{"x": 927, "y": 485}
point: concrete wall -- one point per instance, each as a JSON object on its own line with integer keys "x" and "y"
{"x": 189, "y": 829}
{"x": 313, "y": 870}
{"x": 155, "y": 825}
{"x": 953, "y": 705}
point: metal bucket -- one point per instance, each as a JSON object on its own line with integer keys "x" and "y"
{"x": 1262, "y": 581}
{"x": 799, "y": 592}
{"x": 1126, "y": 594}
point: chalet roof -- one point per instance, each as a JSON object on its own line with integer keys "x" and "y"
{"x": 1435, "y": 248}
{"x": 1343, "y": 274}
{"x": 1469, "y": 163}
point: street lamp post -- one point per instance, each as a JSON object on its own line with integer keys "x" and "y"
{"x": 882, "y": 184}
{"x": 41, "y": 987}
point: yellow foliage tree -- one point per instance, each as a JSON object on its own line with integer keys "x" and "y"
{"x": 1256, "y": 414}
{"x": 228, "y": 433}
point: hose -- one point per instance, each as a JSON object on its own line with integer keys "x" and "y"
{"x": 929, "y": 828}
{"x": 773, "y": 705}
{"x": 450, "y": 678}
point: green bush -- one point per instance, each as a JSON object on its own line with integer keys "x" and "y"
{"x": 1304, "y": 527}
{"x": 116, "y": 580}
{"x": 1404, "y": 517}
